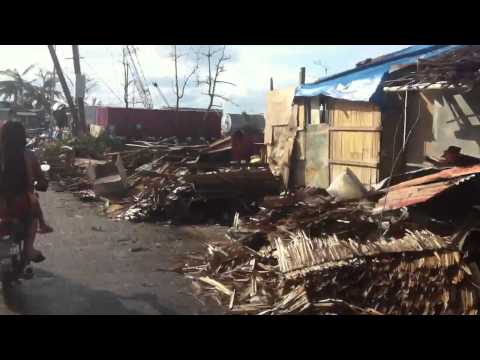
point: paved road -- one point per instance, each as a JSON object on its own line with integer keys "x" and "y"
{"x": 90, "y": 268}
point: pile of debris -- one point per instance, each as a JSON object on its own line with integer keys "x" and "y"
{"x": 164, "y": 180}
{"x": 385, "y": 253}
{"x": 454, "y": 69}
{"x": 182, "y": 192}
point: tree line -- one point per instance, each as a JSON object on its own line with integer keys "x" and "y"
{"x": 40, "y": 92}
{"x": 204, "y": 68}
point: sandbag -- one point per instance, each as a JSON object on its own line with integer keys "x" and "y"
{"x": 347, "y": 186}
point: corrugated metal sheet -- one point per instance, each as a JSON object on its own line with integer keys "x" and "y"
{"x": 424, "y": 188}
{"x": 359, "y": 84}
{"x": 442, "y": 175}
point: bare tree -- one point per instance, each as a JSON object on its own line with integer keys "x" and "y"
{"x": 216, "y": 59}
{"x": 179, "y": 86}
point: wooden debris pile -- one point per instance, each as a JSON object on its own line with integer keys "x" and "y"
{"x": 306, "y": 253}
{"x": 243, "y": 280}
{"x": 164, "y": 181}
{"x": 316, "y": 213}
{"x": 458, "y": 67}
{"x": 183, "y": 193}
{"x": 421, "y": 273}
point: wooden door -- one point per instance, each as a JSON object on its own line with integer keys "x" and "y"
{"x": 354, "y": 134}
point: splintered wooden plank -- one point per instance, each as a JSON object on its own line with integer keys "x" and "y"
{"x": 217, "y": 285}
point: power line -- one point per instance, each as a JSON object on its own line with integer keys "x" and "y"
{"x": 161, "y": 94}
{"x": 397, "y": 158}
{"x": 104, "y": 82}
{"x": 145, "y": 81}
{"x": 139, "y": 77}
{"x": 112, "y": 57}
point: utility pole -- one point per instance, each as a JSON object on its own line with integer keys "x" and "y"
{"x": 52, "y": 91}
{"x": 302, "y": 76}
{"x": 79, "y": 90}
{"x": 61, "y": 77}
{"x": 126, "y": 80}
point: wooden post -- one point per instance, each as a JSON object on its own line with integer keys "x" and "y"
{"x": 61, "y": 77}
{"x": 79, "y": 91}
{"x": 302, "y": 76}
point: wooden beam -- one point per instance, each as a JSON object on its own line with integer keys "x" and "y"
{"x": 368, "y": 164}
{"x": 365, "y": 129}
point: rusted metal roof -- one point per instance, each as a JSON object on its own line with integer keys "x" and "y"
{"x": 424, "y": 188}
{"x": 442, "y": 175}
{"x": 412, "y": 195}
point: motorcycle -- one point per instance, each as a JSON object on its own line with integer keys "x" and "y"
{"x": 14, "y": 267}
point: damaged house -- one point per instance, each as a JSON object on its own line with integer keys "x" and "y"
{"x": 398, "y": 109}
{"x": 408, "y": 246}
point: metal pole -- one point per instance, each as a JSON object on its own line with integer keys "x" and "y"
{"x": 405, "y": 121}
{"x": 79, "y": 84}
{"x": 61, "y": 77}
{"x": 52, "y": 91}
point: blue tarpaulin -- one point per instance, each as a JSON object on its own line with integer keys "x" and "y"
{"x": 360, "y": 84}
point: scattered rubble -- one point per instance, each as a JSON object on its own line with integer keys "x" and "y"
{"x": 161, "y": 180}
{"x": 405, "y": 246}
{"x": 310, "y": 253}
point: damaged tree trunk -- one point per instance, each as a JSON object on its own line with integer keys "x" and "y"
{"x": 63, "y": 82}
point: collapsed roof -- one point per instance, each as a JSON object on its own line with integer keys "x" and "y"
{"x": 457, "y": 69}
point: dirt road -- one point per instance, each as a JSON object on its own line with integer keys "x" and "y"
{"x": 97, "y": 266}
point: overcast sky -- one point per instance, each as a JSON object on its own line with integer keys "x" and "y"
{"x": 250, "y": 69}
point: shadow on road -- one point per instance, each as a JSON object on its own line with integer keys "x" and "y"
{"x": 50, "y": 294}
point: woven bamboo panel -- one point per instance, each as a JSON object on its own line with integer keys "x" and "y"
{"x": 355, "y": 140}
